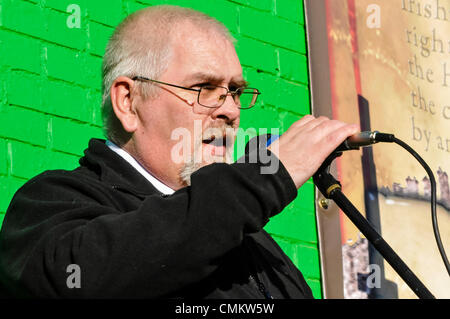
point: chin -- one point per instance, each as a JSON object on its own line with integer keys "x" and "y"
{"x": 192, "y": 166}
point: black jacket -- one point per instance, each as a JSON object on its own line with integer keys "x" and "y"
{"x": 131, "y": 241}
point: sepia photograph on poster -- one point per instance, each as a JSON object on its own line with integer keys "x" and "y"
{"x": 389, "y": 66}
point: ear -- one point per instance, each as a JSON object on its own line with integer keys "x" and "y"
{"x": 121, "y": 101}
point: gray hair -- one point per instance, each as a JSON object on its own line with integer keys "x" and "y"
{"x": 131, "y": 52}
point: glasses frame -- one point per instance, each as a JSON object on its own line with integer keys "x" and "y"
{"x": 232, "y": 93}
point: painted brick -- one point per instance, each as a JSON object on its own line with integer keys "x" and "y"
{"x": 294, "y": 224}
{"x": 24, "y": 17}
{"x": 293, "y": 66}
{"x": 108, "y": 12}
{"x": 308, "y": 229}
{"x": 59, "y": 32}
{"x": 66, "y": 100}
{"x": 4, "y": 193}
{"x": 99, "y": 35}
{"x": 306, "y": 193}
{"x": 19, "y": 157}
{"x": 24, "y": 89}
{"x": 307, "y": 260}
{"x": 73, "y": 66}
{"x": 287, "y": 245}
{"x": 64, "y": 129}
{"x": 223, "y": 11}
{"x": 291, "y": 10}
{"x": 21, "y": 52}
{"x": 65, "y": 64}
{"x": 308, "y": 264}
{"x": 293, "y": 96}
{"x": 62, "y": 5}
{"x": 93, "y": 71}
{"x": 8, "y": 187}
{"x": 132, "y": 6}
{"x": 279, "y": 92}
{"x": 316, "y": 287}
{"x": 94, "y": 102}
{"x": 258, "y": 117}
{"x": 151, "y": 2}
{"x": 287, "y": 119}
{"x": 58, "y": 160}
{"x": 3, "y": 159}
{"x": 257, "y": 54}
{"x": 3, "y": 90}
{"x": 43, "y": 160}
{"x": 23, "y": 124}
{"x": 303, "y": 206}
{"x": 303, "y": 255}
{"x": 269, "y": 28}
{"x": 266, "y": 83}
{"x": 266, "y": 5}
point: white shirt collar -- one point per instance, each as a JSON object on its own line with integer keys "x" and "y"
{"x": 163, "y": 188}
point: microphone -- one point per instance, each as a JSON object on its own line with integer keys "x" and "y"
{"x": 363, "y": 139}
{"x": 353, "y": 142}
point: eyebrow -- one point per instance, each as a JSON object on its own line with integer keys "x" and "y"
{"x": 208, "y": 77}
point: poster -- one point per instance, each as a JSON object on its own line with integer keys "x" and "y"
{"x": 394, "y": 55}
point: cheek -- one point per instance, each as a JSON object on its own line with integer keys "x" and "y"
{"x": 184, "y": 130}
{"x": 167, "y": 124}
{"x": 160, "y": 118}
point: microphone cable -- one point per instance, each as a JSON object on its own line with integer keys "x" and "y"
{"x": 367, "y": 138}
{"x": 392, "y": 138}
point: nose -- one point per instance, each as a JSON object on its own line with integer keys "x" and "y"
{"x": 229, "y": 111}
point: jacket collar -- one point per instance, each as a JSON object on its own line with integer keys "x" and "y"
{"x": 114, "y": 170}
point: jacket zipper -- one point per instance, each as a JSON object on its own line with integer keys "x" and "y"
{"x": 261, "y": 287}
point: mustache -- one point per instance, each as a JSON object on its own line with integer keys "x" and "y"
{"x": 225, "y": 132}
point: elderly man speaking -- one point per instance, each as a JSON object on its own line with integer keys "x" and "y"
{"x": 135, "y": 221}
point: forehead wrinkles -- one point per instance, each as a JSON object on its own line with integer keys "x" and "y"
{"x": 203, "y": 51}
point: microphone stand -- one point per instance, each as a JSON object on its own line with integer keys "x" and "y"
{"x": 331, "y": 189}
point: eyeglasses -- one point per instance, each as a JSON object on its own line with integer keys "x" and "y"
{"x": 213, "y": 96}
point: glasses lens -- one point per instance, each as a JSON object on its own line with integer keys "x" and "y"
{"x": 212, "y": 96}
{"x": 247, "y": 97}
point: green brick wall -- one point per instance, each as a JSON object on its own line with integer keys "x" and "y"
{"x": 50, "y": 83}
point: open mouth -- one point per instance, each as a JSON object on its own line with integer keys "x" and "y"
{"x": 216, "y": 141}
{"x": 215, "y": 145}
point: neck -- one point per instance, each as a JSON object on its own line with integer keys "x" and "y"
{"x": 154, "y": 163}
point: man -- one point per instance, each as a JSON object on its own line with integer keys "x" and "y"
{"x": 134, "y": 220}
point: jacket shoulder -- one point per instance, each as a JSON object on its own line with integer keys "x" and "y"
{"x": 58, "y": 185}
